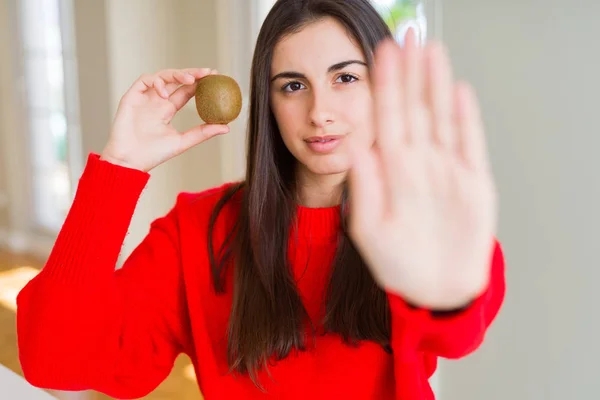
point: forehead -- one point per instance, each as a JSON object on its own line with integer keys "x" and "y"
{"x": 319, "y": 44}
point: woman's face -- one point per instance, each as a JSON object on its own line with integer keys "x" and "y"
{"x": 320, "y": 96}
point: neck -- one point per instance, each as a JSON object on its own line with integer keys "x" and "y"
{"x": 317, "y": 191}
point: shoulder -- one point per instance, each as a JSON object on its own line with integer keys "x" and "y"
{"x": 202, "y": 204}
{"x": 210, "y": 197}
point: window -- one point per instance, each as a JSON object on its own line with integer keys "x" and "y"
{"x": 47, "y": 59}
{"x": 401, "y": 15}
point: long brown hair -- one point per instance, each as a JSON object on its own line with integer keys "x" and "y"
{"x": 268, "y": 318}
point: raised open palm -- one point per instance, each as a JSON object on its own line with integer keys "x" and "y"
{"x": 423, "y": 202}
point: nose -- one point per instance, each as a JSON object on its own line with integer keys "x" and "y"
{"x": 321, "y": 110}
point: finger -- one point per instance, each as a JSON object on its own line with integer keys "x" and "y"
{"x": 440, "y": 95}
{"x": 171, "y": 77}
{"x": 198, "y": 73}
{"x": 143, "y": 83}
{"x": 199, "y": 134}
{"x": 183, "y": 76}
{"x": 471, "y": 135}
{"x": 188, "y": 77}
{"x": 161, "y": 78}
{"x": 180, "y": 78}
{"x": 388, "y": 102}
{"x": 160, "y": 88}
{"x": 366, "y": 189}
{"x": 182, "y": 95}
{"x": 158, "y": 82}
{"x": 413, "y": 86}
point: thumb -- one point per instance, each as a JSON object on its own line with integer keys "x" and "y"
{"x": 200, "y": 133}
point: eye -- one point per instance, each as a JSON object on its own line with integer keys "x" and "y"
{"x": 346, "y": 78}
{"x": 292, "y": 87}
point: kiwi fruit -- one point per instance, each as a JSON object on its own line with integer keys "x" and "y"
{"x": 218, "y": 99}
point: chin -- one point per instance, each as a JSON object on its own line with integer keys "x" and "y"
{"x": 328, "y": 165}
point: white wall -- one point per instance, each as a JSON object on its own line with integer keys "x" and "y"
{"x": 535, "y": 65}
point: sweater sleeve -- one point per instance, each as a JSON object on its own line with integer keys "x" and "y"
{"x": 455, "y": 335}
{"x": 80, "y": 324}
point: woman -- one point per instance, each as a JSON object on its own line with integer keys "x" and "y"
{"x": 287, "y": 285}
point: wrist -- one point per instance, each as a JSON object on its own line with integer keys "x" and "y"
{"x": 119, "y": 161}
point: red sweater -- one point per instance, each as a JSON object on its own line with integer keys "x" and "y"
{"x": 81, "y": 325}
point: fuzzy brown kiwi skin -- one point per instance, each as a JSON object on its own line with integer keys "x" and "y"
{"x": 218, "y": 99}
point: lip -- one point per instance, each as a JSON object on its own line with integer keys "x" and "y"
{"x": 323, "y": 144}
{"x": 313, "y": 139}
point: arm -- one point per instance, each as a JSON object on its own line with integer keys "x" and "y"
{"x": 80, "y": 324}
{"x": 458, "y": 334}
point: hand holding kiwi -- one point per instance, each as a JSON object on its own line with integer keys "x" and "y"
{"x": 142, "y": 136}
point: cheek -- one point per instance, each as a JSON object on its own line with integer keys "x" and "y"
{"x": 288, "y": 117}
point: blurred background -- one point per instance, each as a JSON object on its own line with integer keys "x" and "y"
{"x": 64, "y": 65}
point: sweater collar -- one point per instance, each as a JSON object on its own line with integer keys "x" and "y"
{"x": 321, "y": 223}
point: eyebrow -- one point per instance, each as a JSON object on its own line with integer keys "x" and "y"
{"x": 333, "y": 68}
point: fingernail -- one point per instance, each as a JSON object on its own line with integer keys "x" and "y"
{"x": 165, "y": 93}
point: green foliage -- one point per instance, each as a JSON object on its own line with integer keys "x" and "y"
{"x": 400, "y": 11}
